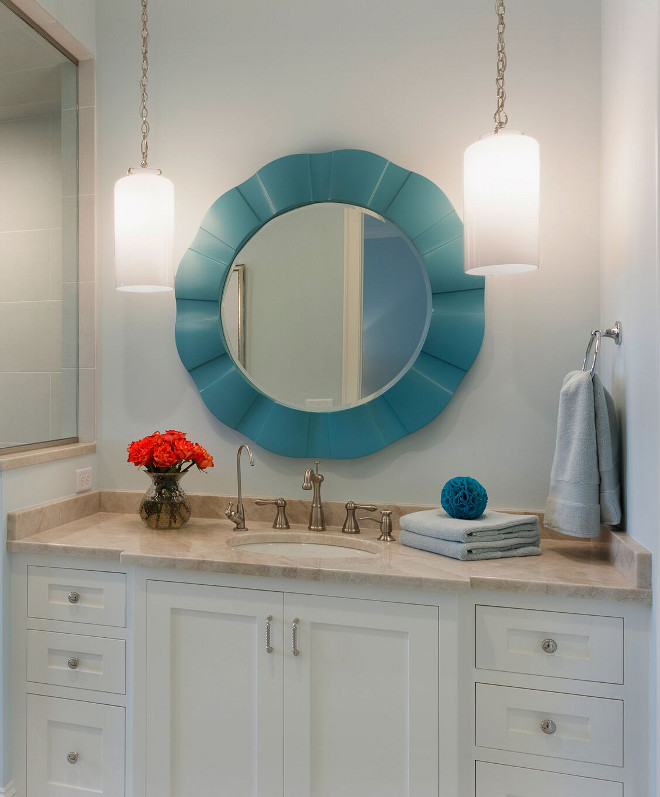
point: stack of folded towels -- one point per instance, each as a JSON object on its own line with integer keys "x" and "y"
{"x": 494, "y": 535}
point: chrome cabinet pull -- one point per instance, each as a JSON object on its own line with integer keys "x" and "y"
{"x": 549, "y": 646}
{"x": 269, "y": 649}
{"x": 72, "y": 662}
{"x": 548, "y": 726}
{"x": 73, "y": 597}
{"x": 294, "y": 637}
{"x": 72, "y": 757}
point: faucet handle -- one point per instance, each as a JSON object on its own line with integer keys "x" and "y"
{"x": 281, "y": 521}
{"x": 385, "y": 524}
{"x": 351, "y": 525}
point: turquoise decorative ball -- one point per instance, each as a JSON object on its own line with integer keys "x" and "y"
{"x": 464, "y": 497}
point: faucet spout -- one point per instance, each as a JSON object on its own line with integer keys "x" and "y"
{"x": 237, "y": 517}
{"x": 312, "y": 481}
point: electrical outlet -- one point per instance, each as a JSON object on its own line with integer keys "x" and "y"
{"x": 83, "y": 480}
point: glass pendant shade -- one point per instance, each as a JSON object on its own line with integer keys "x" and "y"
{"x": 501, "y": 204}
{"x": 144, "y": 227}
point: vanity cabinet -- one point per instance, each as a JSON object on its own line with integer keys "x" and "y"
{"x": 555, "y": 699}
{"x": 269, "y": 693}
{"x": 188, "y": 682}
{"x": 71, "y": 658}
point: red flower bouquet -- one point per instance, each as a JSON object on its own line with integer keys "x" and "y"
{"x": 168, "y": 453}
{"x": 166, "y": 457}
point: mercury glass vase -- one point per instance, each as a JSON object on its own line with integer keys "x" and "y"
{"x": 165, "y": 504}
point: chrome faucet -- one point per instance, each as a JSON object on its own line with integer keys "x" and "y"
{"x": 313, "y": 479}
{"x": 238, "y": 517}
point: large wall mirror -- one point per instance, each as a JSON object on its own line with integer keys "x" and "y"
{"x": 322, "y": 309}
{"x": 38, "y": 238}
{"x": 326, "y": 306}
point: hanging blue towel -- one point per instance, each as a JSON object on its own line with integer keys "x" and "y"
{"x": 584, "y": 484}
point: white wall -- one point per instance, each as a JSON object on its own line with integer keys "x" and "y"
{"x": 236, "y": 85}
{"x": 629, "y": 271}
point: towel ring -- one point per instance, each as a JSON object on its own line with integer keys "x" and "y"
{"x": 596, "y": 336}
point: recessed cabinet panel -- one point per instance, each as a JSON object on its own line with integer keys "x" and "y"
{"x": 74, "y": 748}
{"x": 361, "y": 698}
{"x": 559, "y": 644}
{"x": 78, "y": 596}
{"x": 497, "y": 780}
{"x": 550, "y": 724}
{"x": 214, "y": 691}
{"x": 83, "y": 662}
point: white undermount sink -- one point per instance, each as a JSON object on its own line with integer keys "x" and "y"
{"x": 301, "y": 545}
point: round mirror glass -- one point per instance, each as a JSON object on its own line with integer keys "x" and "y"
{"x": 326, "y": 306}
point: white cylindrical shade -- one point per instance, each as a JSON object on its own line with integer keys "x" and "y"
{"x": 144, "y": 229}
{"x": 501, "y": 204}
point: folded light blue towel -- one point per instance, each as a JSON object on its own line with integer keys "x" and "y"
{"x": 490, "y": 527}
{"x": 584, "y": 484}
{"x": 472, "y": 551}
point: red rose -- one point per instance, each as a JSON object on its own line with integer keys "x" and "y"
{"x": 140, "y": 452}
{"x": 201, "y": 457}
{"x": 183, "y": 449}
{"x": 164, "y": 457}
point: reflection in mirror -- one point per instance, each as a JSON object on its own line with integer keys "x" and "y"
{"x": 38, "y": 238}
{"x": 330, "y": 306}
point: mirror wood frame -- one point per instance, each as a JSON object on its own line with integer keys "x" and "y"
{"x": 413, "y": 203}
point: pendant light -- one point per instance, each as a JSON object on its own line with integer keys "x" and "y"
{"x": 144, "y": 211}
{"x": 501, "y": 190}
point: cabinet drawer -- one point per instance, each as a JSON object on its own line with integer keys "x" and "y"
{"x": 74, "y": 748}
{"x": 556, "y": 644}
{"x": 84, "y": 662}
{"x": 498, "y": 780}
{"x": 586, "y": 728}
{"x": 79, "y": 596}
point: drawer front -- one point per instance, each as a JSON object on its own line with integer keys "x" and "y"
{"x": 586, "y": 729}
{"x": 498, "y": 780}
{"x": 556, "y": 644}
{"x": 79, "y": 596}
{"x": 74, "y": 748}
{"x": 83, "y": 662}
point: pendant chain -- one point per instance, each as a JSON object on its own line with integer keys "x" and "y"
{"x": 143, "y": 86}
{"x": 500, "y": 116}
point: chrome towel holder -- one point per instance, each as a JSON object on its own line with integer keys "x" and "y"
{"x": 596, "y": 335}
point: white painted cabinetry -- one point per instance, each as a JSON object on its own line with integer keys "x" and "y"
{"x": 554, "y": 696}
{"x": 214, "y": 692}
{"x": 339, "y": 697}
{"x": 70, "y": 682}
{"x": 172, "y": 684}
{"x": 74, "y": 748}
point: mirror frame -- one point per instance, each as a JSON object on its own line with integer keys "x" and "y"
{"x": 455, "y": 333}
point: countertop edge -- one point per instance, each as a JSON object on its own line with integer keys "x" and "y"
{"x": 295, "y": 572}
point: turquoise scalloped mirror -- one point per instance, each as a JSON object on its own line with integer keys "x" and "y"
{"x": 322, "y": 309}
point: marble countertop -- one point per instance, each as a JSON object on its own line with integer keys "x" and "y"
{"x": 612, "y": 568}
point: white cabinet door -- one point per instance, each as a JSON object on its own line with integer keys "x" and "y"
{"x": 214, "y": 693}
{"x": 360, "y": 699}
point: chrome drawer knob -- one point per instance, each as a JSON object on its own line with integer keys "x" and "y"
{"x": 73, "y": 597}
{"x": 72, "y": 758}
{"x": 73, "y": 662}
{"x": 549, "y": 646}
{"x": 548, "y": 726}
